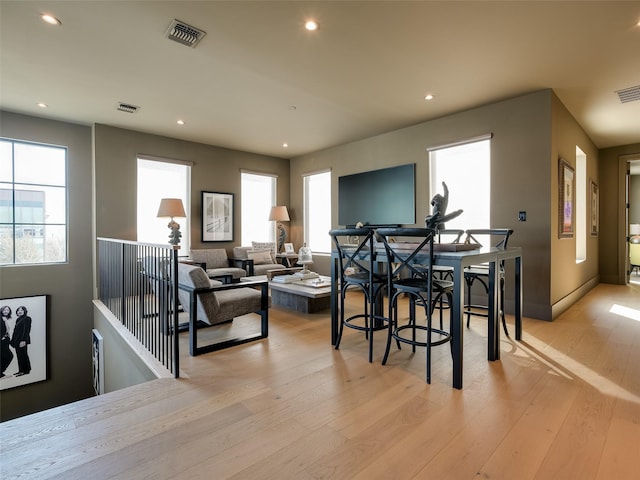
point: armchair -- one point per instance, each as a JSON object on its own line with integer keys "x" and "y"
{"x": 259, "y": 258}
{"x": 216, "y": 263}
{"x": 634, "y": 253}
{"x": 213, "y": 303}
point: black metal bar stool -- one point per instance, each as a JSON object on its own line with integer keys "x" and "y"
{"x": 410, "y": 272}
{"x": 480, "y": 273}
{"x": 356, "y": 260}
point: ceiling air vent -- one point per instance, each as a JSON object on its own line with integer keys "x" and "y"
{"x": 185, "y": 34}
{"x": 128, "y": 108}
{"x": 630, "y": 94}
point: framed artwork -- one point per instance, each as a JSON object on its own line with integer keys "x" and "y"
{"x": 97, "y": 353}
{"x": 288, "y": 248}
{"x": 217, "y": 217}
{"x": 566, "y": 199}
{"x": 595, "y": 209}
{"x": 24, "y": 340}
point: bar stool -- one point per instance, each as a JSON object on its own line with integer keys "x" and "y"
{"x": 356, "y": 263}
{"x": 480, "y": 273}
{"x": 408, "y": 273}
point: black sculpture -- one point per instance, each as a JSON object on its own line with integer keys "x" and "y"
{"x": 438, "y": 215}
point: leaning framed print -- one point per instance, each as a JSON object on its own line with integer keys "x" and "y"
{"x": 566, "y": 199}
{"x": 595, "y": 209}
{"x": 217, "y": 217}
{"x": 24, "y": 340}
{"x": 97, "y": 354}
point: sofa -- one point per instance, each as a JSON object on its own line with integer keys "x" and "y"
{"x": 210, "y": 302}
{"x": 260, "y": 257}
{"x": 218, "y": 265}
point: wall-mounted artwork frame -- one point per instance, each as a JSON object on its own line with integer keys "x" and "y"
{"x": 24, "y": 340}
{"x": 217, "y": 217}
{"x": 97, "y": 351}
{"x": 566, "y": 199}
{"x": 595, "y": 209}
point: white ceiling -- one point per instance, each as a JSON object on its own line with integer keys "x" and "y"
{"x": 258, "y": 79}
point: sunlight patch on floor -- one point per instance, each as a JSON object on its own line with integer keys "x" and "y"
{"x": 564, "y": 365}
{"x": 630, "y": 313}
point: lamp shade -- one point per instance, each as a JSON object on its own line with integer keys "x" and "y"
{"x": 279, "y": 214}
{"x": 171, "y": 207}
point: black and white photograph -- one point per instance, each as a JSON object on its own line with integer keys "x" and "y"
{"x": 217, "y": 217}
{"x": 24, "y": 341}
{"x": 97, "y": 354}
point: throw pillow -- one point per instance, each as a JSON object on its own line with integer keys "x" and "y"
{"x": 260, "y": 257}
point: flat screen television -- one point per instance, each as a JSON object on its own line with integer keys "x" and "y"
{"x": 379, "y": 197}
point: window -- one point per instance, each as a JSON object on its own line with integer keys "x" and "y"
{"x": 581, "y": 206}
{"x": 258, "y": 196}
{"x": 33, "y": 203}
{"x": 470, "y": 192}
{"x": 158, "y": 179}
{"x": 317, "y": 211}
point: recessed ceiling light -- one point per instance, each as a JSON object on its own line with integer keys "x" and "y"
{"x": 311, "y": 25}
{"x": 428, "y": 96}
{"x": 42, "y": 105}
{"x": 285, "y": 145}
{"x": 180, "y": 122}
{"x": 50, "y": 19}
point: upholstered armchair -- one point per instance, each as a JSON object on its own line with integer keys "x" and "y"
{"x": 218, "y": 265}
{"x": 260, "y": 257}
{"x": 211, "y": 302}
{"x": 634, "y": 253}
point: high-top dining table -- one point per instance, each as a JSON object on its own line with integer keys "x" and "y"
{"x": 458, "y": 260}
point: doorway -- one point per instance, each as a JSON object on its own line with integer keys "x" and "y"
{"x": 633, "y": 218}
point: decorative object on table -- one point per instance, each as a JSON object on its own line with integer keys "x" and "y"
{"x": 171, "y": 208}
{"x": 438, "y": 216}
{"x": 566, "y": 199}
{"x": 288, "y": 248}
{"x": 595, "y": 209}
{"x": 217, "y": 217}
{"x": 305, "y": 258}
{"x": 24, "y": 340}
{"x": 279, "y": 214}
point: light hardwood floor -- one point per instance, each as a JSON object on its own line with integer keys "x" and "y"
{"x": 562, "y": 404}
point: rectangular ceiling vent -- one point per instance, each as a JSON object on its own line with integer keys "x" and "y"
{"x": 128, "y": 108}
{"x": 185, "y": 34}
{"x": 630, "y": 94}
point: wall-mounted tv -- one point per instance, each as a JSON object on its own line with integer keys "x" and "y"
{"x": 379, "y": 197}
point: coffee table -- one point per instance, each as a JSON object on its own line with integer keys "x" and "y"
{"x": 305, "y": 296}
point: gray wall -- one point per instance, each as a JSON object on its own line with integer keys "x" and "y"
{"x": 70, "y": 321}
{"x": 530, "y": 132}
{"x": 214, "y": 169}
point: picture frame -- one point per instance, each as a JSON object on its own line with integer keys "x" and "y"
{"x": 288, "y": 248}
{"x": 24, "y": 346}
{"x": 566, "y": 199}
{"x": 595, "y": 209}
{"x": 97, "y": 351}
{"x": 217, "y": 216}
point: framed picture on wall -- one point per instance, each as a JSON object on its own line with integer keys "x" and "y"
{"x": 595, "y": 209}
{"x": 24, "y": 340}
{"x": 566, "y": 199}
{"x": 217, "y": 217}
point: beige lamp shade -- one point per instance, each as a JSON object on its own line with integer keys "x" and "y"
{"x": 171, "y": 207}
{"x": 279, "y": 213}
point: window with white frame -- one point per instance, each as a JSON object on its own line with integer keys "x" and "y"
{"x": 158, "y": 179}
{"x": 465, "y": 167}
{"x": 317, "y": 211}
{"x": 33, "y": 203}
{"x": 258, "y": 193}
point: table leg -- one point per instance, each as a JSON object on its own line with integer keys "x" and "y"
{"x": 493, "y": 331}
{"x": 456, "y": 324}
{"x": 518, "y": 297}
{"x": 334, "y": 301}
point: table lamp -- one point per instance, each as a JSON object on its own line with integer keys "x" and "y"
{"x": 172, "y": 207}
{"x": 279, "y": 213}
